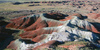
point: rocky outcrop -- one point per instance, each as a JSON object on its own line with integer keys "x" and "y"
{"x": 36, "y": 19}
{"x": 44, "y": 22}
{"x": 22, "y": 22}
{"x": 48, "y": 28}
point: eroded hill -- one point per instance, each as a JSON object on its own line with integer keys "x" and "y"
{"x": 47, "y": 28}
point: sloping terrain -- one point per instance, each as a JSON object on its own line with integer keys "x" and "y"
{"x": 51, "y": 27}
{"x": 54, "y": 25}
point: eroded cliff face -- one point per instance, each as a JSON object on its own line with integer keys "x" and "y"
{"x": 46, "y": 29}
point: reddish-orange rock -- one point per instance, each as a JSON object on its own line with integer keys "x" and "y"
{"x": 10, "y": 25}
{"x": 24, "y": 22}
{"x": 52, "y": 23}
{"x": 38, "y": 24}
{"x": 35, "y": 33}
{"x": 46, "y": 45}
{"x": 39, "y": 38}
{"x": 94, "y": 29}
{"x": 35, "y": 30}
{"x": 15, "y": 24}
{"x": 41, "y": 23}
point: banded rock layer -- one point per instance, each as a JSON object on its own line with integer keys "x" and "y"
{"x": 47, "y": 28}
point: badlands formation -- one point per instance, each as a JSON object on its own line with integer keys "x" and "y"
{"x": 48, "y": 29}
{"x": 52, "y": 25}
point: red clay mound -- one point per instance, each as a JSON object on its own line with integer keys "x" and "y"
{"x": 24, "y": 22}
{"x": 35, "y": 33}
{"x": 15, "y": 24}
{"x": 39, "y": 38}
{"x": 21, "y": 22}
{"x": 27, "y": 23}
{"x": 38, "y": 24}
{"x": 93, "y": 29}
{"x": 43, "y": 23}
{"x": 34, "y": 29}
